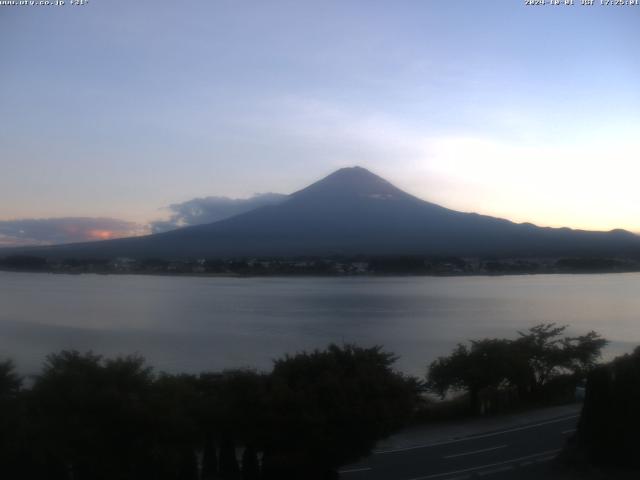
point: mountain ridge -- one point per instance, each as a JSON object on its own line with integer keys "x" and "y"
{"x": 352, "y": 211}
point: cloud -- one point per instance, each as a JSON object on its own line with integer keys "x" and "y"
{"x": 49, "y": 231}
{"x": 212, "y": 209}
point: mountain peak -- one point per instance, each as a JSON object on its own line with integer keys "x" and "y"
{"x": 355, "y": 171}
{"x": 352, "y": 170}
{"x": 351, "y": 181}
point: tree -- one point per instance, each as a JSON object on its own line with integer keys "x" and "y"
{"x": 583, "y": 352}
{"x": 528, "y": 363}
{"x": 547, "y": 354}
{"x": 92, "y": 416}
{"x": 328, "y": 408}
{"x": 172, "y": 413}
{"x": 487, "y": 363}
{"x": 607, "y": 432}
{"x": 10, "y": 381}
{"x": 231, "y": 413}
{"x": 12, "y": 421}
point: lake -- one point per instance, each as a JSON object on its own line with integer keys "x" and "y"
{"x": 204, "y": 323}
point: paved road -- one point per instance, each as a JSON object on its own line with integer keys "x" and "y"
{"x": 500, "y": 454}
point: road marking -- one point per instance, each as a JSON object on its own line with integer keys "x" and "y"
{"x": 355, "y": 470}
{"x": 496, "y": 470}
{"x": 566, "y": 432}
{"x": 475, "y": 437}
{"x": 475, "y": 451}
{"x": 489, "y": 465}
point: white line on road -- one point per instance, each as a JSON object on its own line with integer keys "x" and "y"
{"x": 475, "y": 451}
{"x": 355, "y": 470}
{"x": 493, "y": 471}
{"x": 482, "y": 467}
{"x": 475, "y": 437}
{"x": 566, "y": 432}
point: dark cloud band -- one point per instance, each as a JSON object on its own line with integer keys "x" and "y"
{"x": 48, "y": 231}
{"x": 51, "y": 231}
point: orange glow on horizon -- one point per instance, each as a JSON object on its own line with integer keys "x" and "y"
{"x": 101, "y": 234}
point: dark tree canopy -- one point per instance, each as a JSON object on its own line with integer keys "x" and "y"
{"x": 330, "y": 407}
{"x": 91, "y": 418}
{"x": 12, "y": 437}
{"x": 527, "y": 363}
{"x": 10, "y": 381}
{"x": 484, "y": 364}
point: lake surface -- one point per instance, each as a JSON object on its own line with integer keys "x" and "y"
{"x": 198, "y": 323}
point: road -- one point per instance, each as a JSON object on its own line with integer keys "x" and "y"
{"x": 499, "y": 454}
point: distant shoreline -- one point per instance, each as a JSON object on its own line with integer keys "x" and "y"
{"x": 318, "y": 275}
{"x": 335, "y": 266}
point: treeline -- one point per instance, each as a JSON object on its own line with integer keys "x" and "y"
{"x": 88, "y": 417}
{"x": 319, "y": 266}
{"x": 542, "y": 364}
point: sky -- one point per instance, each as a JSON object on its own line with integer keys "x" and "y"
{"x": 115, "y": 112}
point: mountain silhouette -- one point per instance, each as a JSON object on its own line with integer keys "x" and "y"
{"x": 351, "y": 212}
